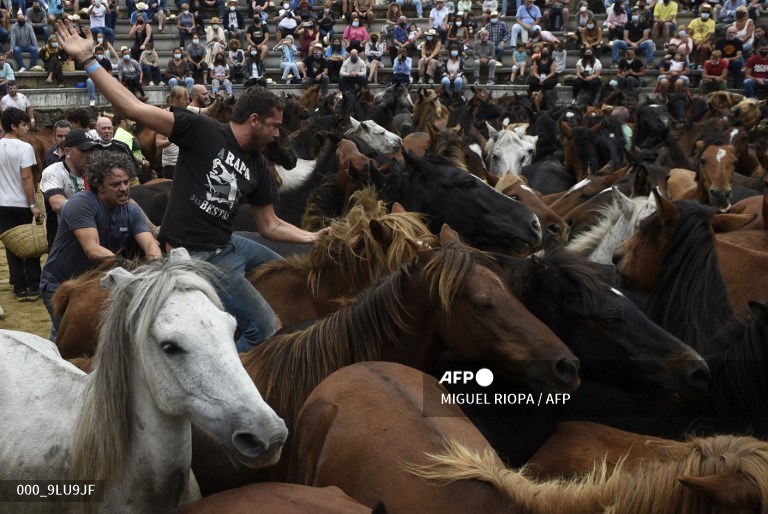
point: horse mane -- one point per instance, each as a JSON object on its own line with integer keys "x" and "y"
{"x": 586, "y": 242}
{"x": 62, "y": 295}
{"x": 508, "y": 180}
{"x": 350, "y": 248}
{"x": 103, "y": 426}
{"x": 653, "y": 486}
{"x": 291, "y": 365}
{"x": 689, "y": 272}
{"x": 324, "y": 203}
{"x": 448, "y": 144}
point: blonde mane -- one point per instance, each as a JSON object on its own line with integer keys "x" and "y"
{"x": 508, "y": 180}
{"x": 351, "y": 250}
{"x": 652, "y": 487}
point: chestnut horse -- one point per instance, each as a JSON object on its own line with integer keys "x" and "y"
{"x": 563, "y": 203}
{"x": 714, "y": 180}
{"x": 448, "y": 298}
{"x": 515, "y": 187}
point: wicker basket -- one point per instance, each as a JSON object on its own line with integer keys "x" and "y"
{"x": 26, "y": 241}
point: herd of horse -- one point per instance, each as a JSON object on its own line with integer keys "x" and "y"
{"x": 490, "y": 233}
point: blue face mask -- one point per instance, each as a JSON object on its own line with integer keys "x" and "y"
{"x": 454, "y": 53}
{"x": 494, "y": 20}
{"x": 126, "y": 57}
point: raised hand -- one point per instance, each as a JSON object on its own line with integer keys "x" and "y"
{"x": 80, "y": 49}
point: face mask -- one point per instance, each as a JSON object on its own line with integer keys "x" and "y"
{"x": 429, "y": 38}
{"x": 22, "y": 23}
{"x": 681, "y": 33}
{"x": 630, "y": 61}
{"x": 705, "y": 16}
{"x": 36, "y": 9}
{"x": 635, "y": 18}
{"x": 590, "y": 25}
{"x": 715, "y": 63}
{"x": 286, "y": 6}
{"x": 186, "y": 12}
{"x": 454, "y": 53}
{"x": 544, "y": 55}
{"x": 583, "y": 8}
{"x": 763, "y": 52}
{"x": 494, "y": 20}
{"x": 100, "y": 40}
{"x": 253, "y": 53}
{"x": 458, "y": 23}
{"x": 126, "y": 57}
{"x": 196, "y": 41}
{"x": 374, "y": 39}
{"x": 353, "y": 58}
{"x": 232, "y": 8}
{"x": 215, "y": 27}
{"x": 355, "y": 24}
{"x": 402, "y": 25}
{"x": 55, "y": 44}
{"x": 177, "y": 56}
{"x": 587, "y": 56}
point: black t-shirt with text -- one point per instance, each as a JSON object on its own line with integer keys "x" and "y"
{"x": 213, "y": 176}
{"x": 730, "y": 47}
{"x": 314, "y": 66}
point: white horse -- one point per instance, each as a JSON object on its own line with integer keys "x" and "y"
{"x": 509, "y": 149}
{"x": 375, "y": 135}
{"x": 619, "y": 221}
{"x": 166, "y": 357}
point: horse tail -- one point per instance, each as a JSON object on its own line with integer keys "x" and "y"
{"x": 61, "y": 297}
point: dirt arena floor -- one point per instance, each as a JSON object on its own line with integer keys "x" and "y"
{"x": 24, "y": 316}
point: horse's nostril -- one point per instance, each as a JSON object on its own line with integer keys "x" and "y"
{"x": 555, "y": 229}
{"x": 617, "y": 256}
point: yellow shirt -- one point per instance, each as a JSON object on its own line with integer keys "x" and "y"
{"x": 665, "y": 12}
{"x": 700, "y": 29}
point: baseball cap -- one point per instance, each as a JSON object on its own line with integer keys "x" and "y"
{"x": 81, "y": 139}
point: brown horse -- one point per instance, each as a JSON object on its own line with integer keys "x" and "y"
{"x": 448, "y": 298}
{"x": 682, "y": 227}
{"x": 515, "y": 187}
{"x": 713, "y": 184}
{"x": 362, "y": 424}
{"x": 278, "y": 498}
{"x": 584, "y": 190}
{"x": 417, "y": 143}
{"x": 429, "y": 110}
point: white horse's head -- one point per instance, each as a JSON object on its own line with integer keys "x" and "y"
{"x": 187, "y": 358}
{"x": 375, "y": 135}
{"x": 509, "y": 149}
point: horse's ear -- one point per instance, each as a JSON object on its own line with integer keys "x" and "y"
{"x": 179, "y": 255}
{"x": 632, "y": 157}
{"x": 117, "y": 276}
{"x": 354, "y": 122}
{"x": 397, "y": 208}
{"x": 380, "y": 233}
{"x": 492, "y": 132}
{"x": 504, "y": 123}
{"x": 733, "y": 492}
{"x": 723, "y": 223}
{"x": 700, "y": 145}
{"x": 490, "y": 178}
{"x": 447, "y": 234}
{"x": 597, "y": 127}
{"x": 565, "y": 129}
{"x": 668, "y": 211}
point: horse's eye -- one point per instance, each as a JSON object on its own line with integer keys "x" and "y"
{"x": 485, "y": 307}
{"x": 515, "y": 197}
{"x": 703, "y": 161}
{"x": 171, "y": 348}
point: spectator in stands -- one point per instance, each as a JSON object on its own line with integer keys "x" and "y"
{"x": 528, "y": 18}
{"x": 355, "y": 36}
{"x": 702, "y": 31}
{"x": 416, "y": 4}
{"x": 664, "y": 19}
{"x": 487, "y": 7}
{"x": 288, "y": 60}
{"x": 757, "y": 71}
{"x": 543, "y": 73}
{"x": 55, "y": 10}
{"x": 453, "y": 71}
{"x": 326, "y": 23}
{"x": 159, "y": 8}
{"x": 234, "y": 23}
{"x": 6, "y": 75}
{"x": 555, "y": 15}
{"x": 471, "y": 24}
{"x": 499, "y": 34}
{"x": 177, "y": 71}
{"x": 196, "y": 54}
{"x": 400, "y": 39}
{"x": 683, "y": 43}
{"x": 588, "y": 71}
{"x": 258, "y": 36}
{"x": 543, "y": 37}
{"x": 98, "y": 12}
{"x": 19, "y": 101}
{"x": 374, "y": 53}
{"x": 150, "y": 65}
{"x": 129, "y": 73}
{"x": 714, "y": 75}
{"x": 236, "y": 58}
{"x": 673, "y": 72}
{"x": 352, "y": 72}
{"x": 170, "y": 152}
{"x": 364, "y": 10}
{"x": 186, "y": 24}
{"x": 52, "y": 55}
{"x": 760, "y": 36}
{"x": 142, "y": 35}
{"x": 56, "y": 152}
{"x": 89, "y": 84}
{"x": 316, "y": 70}
{"x": 286, "y": 20}
{"x": 308, "y": 36}
{"x": 402, "y": 67}
{"x": 109, "y": 50}
{"x": 17, "y": 199}
{"x": 214, "y": 31}
{"x": 438, "y": 19}
{"x": 519, "y": 62}
{"x": 726, "y": 12}
{"x": 560, "y": 56}
{"x": 429, "y": 63}
{"x": 636, "y": 37}
{"x": 731, "y": 48}
{"x": 463, "y": 6}
{"x": 254, "y": 72}
{"x": 631, "y": 72}
{"x": 615, "y": 20}
{"x": 197, "y": 7}
{"x": 483, "y": 54}
{"x": 458, "y": 34}
{"x": 592, "y": 38}
{"x": 23, "y": 40}
{"x": 755, "y": 8}
{"x": 220, "y": 75}
{"x": 745, "y": 28}
{"x": 38, "y": 19}
{"x": 392, "y": 19}
{"x": 335, "y": 54}
{"x": 582, "y": 17}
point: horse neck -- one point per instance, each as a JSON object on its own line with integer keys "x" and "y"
{"x": 156, "y": 469}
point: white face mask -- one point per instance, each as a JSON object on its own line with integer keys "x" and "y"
{"x": 286, "y": 6}
{"x": 196, "y": 41}
{"x": 99, "y": 39}
{"x": 177, "y": 56}
{"x": 590, "y": 25}
{"x": 253, "y": 53}
{"x": 55, "y": 44}
{"x": 232, "y": 8}
{"x": 635, "y": 18}
{"x": 681, "y": 33}
{"x": 454, "y": 53}
{"x": 705, "y": 16}
{"x": 186, "y": 11}
{"x": 458, "y": 23}
{"x": 215, "y": 27}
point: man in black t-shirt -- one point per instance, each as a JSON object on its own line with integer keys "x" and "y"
{"x": 219, "y": 166}
{"x": 631, "y": 71}
{"x": 258, "y": 35}
{"x": 636, "y": 37}
{"x": 732, "y": 47}
{"x": 316, "y": 69}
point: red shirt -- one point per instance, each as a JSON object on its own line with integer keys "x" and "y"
{"x": 759, "y": 66}
{"x": 711, "y": 69}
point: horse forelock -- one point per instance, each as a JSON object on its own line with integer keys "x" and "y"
{"x": 103, "y": 426}
{"x": 449, "y": 269}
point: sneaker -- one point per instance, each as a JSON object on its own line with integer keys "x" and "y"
{"x": 36, "y": 68}
{"x": 161, "y": 83}
{"x": 477, "y": 83}
{"x": 92, "y": 103}
{"x": 32, "y": 294}
{"x": 21, "y": 295}
{"x": 22, "y": 70}
{"x": 699, "y": 68}
{"x": 490, "y": 83}
{"x": 151, "y": 83}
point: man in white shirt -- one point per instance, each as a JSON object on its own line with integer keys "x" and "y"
{"x": 18, "y": 100}
{"x": 438, "y": 19}
{"x": 353, "y": 72}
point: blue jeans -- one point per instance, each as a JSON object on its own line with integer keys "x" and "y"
{"x": 750, "y": 87}
{"x": 4, "y": 35}
{"x": 46, "y": 293}
{"x": 416, "y": 4}
{"x": 255, "y": 318}
{"x": 151, "y": 73}
{"x": 188, "y": 83}
{"x": 500, "y": 52}
{"x": 32, "y": 55}
{"x": 458, "y": 83}
{"x": 108, "y": 32}
{"x": 620, "y": 45}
